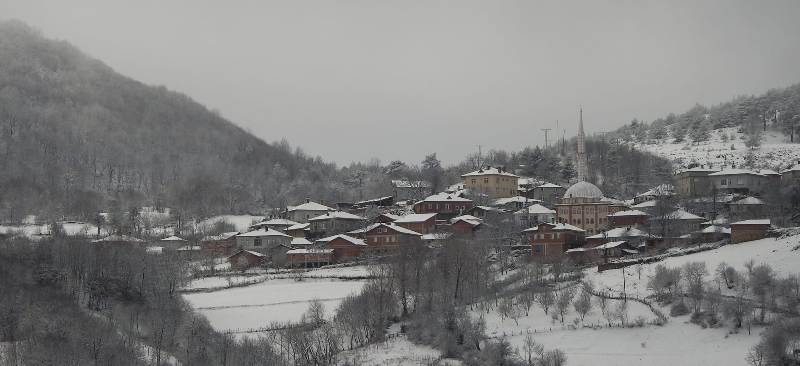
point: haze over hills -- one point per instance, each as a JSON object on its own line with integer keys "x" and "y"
{"x": 72, "y": 128}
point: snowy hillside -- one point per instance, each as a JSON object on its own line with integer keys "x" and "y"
{"x": 775, "y": 152}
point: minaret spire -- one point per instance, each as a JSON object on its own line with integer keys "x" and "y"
{"x": 583, "y": 163}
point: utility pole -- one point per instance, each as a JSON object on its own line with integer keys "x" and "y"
{"x": 546, "y": 131}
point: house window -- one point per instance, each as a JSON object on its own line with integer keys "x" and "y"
{"x": 485, "y": 180}
{"x": 537, "y": 248}
{"x": 257, "y": 242}
{"x": 722, "y": 182}
{"x": 474, "y": 180}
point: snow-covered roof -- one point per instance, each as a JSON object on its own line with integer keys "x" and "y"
{"x": 646, "y": 204}
{"x": 620, "y": 232}
{"x": 223, "y": 236}
{"x": 471, "y": 222}
{"x": 154, "y": 250}
{"x": 536, "y": 209}
{"x": 490, "y": 208}
{"x": 660, "y": 190}
{"x": 189, "y": 248}
{"x": 549, "y": 185}
{"x": 301, "y": 241}
{"x": 629, "y": 213}
{"x": 302, "y": 226}
{"x": 411, "y": 218}
{"x": 263, "y": 232}
{"x": 490, "y": 171}
{"x": 699, "y": 169}
{"x": 578, "y": 250}
{"x": 276, "y": 222}
{"x": 748, "y": 201}
{"x": 397, "y": 228}
{"x": 753, "y": 222}
{"x": 557, "y": 227}
{"x": 610, "y": 245}
{"x": 310, "y": 251}
{"x": 682, "y": 214}
{"x": 465, "y": 217}
{"x": 583, "y": 189}
{"x": 402, "y": 183}
{"x": 719, "y": 221}
{"x": 516, "y": 199}
{"x": 336, "y": 215}
{"x": 436, "y": 236}
{"x": 445, "y": 197}
{"x": 768, "y": 172}
{"x": 716, "y": 229}
{"x": 733, "y": 171}
{"x": 173, "y": 238}
{"x": 310, "y": 206}
{"x": 257, "y": 254}
{"x": 795, "y": 168}
{"x": 118, "y": 238}
{"x": 348, "y": 238}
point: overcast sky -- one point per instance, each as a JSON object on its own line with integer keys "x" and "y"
{"x": 352, "y": 80}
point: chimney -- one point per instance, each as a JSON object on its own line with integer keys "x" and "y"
{"x": 308, "y": 200}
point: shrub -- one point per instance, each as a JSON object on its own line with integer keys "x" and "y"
{"x": 678, "y": 309}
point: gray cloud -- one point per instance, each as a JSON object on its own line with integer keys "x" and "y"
{"x": 402, "y": 78}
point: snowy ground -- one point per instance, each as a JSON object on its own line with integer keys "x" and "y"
{"x": 274, "y": 300}
{"x": 676, "y": 343}
{"x": 394, "y": 352}
{"x": 775, "y": 152}
{"x": 240, "y": 222}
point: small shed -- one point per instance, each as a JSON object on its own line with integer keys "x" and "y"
{"x": 244, "y": 259}
{"x": 310, "y": 257}
{"x": 749, "y": 230}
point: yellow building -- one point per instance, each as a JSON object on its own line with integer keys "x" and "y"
{"x": 495, "y": 182}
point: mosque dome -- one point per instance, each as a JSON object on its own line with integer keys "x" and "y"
{"x": 583, "y": 189}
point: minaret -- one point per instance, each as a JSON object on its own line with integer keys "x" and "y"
{"x": 583, "y": 172}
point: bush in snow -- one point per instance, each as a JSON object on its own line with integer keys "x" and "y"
{"x": 679, "y": 309}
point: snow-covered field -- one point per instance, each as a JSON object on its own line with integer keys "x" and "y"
{"x": 676, "y": 343}
{"x": 240, "y": 222}
{"x": 275, "y": 300}
{"x": 775, "y": 152}
{"x": 394, "y": 352}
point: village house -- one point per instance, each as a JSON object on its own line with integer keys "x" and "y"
{"x": 119, "y": 240}
{"x": 628, "y": 218}
{"x": 465, "y": 225}
{"x": 299, "y": 230}
{"x": 386, "y": 201}
{"x": 739, "y": 181}
{"x": 791, "y": 175}
{"x": 278, "y": 224}
{"x": 526, "y": 185}
{"x": 494, "y": 182}
{"x": 548, "y": 193}
{"x": 334, "y": 222}
{"x": 446, "y": 206}
{"x": 659, "y": 192}
{"x": 263, "y": 240}
{"x": 533, "y": 215}
{"x": 299, "y": 243}
{"x": 549, "y": 240}
{"x": 484, "y": 211}
{"x": 583, "y": 206}
{"x": 243, "y": 259}
{"x": 746, "y": 208}
{"x": 694, "y": 182}
{"x": 309, "y": 257}
{"x": 306, "y": 211}
{"x": 222, "y": 244}
{"x": 514, "y": 203}
{"x": 410, "y": 190}
{"x": 172, "y": 242}
{"x": 384, "y": 238}
{"x": 422, "y": 223}
{"x": 713, "y": 233}
{"x": 344, "y": 247}
{"x": 633, "y": 236}
{"x": 749, "y": 230}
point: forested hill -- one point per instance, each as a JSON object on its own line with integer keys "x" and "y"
{"x": 780, "y": 108}
{"x": 76, "y": 136}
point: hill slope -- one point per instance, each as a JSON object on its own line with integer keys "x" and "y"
{"x": 74, "y": 133}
